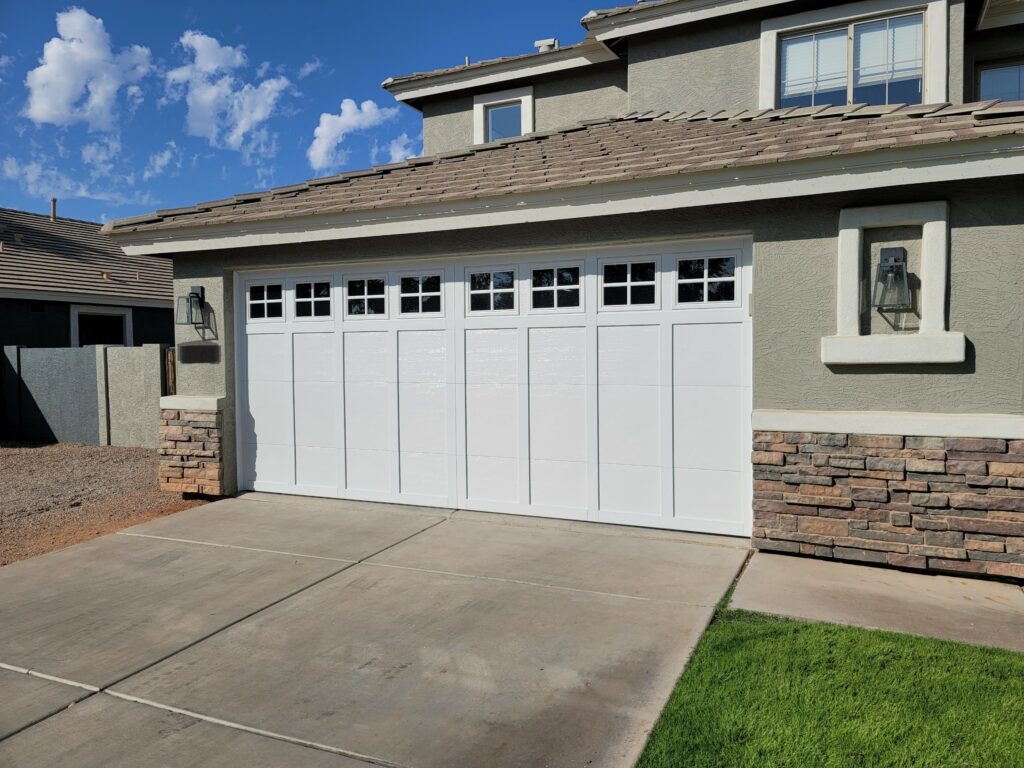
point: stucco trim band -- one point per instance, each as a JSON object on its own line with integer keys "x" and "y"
{"x": 192, "y": 402}
{"x": 894, "y": 348}
{"x": 993, "y": 425}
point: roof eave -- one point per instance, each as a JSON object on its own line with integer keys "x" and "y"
{"x": 637, "y": 20}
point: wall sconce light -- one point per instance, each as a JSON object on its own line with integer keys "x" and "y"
{"x": 892, "y": 292}
{"x": 190, "y": 307}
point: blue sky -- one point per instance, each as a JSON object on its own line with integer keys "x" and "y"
{"x": 120, "y": 108}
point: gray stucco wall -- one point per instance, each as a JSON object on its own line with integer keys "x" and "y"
{"x": 134, "y": 386}
{"x": 795, "y": 253}
{"x": 559, "y": 100}
{"x": 704, "y": 66}
{"x": 52, "y": 395}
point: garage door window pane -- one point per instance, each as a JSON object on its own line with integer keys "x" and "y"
{"x": 420, "y": 294}
{"x": 313, "y": 299}
{"x": 365, "y": 297}
{"x": 266, "y": 302}
{"x": 631, "y": 284}
{"x": 550, "y": 288}
{"x": 706, "y": 279}
{"x": 492, "y": 291}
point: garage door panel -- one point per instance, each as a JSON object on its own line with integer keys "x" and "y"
{"x": 367, "y": 356}
{"x": 558, "y": 423}
{"x": 708, "y": 431}
{"x": 423, "y": 357}
{"x": 558, "y": 356}
{"x": 317, "y": 467}
{"x": 314, "y": 357}
{"x": 629, "y": 355}
{"x": 707, "y": 355}
{"x": 490, "y": 478}
{"x": 424, "y": 474}
{"x": 492, "y": 420}
{"x": 630, "y": 489}
{"x": 272, "y": 463}
{"x": 268, "y": 357}
{"x": 709, "y": 500}
{"x": 367, "y": 470}
{"x": 367, "y": 411}
{"x": 492, "y": 356}
{"x": 558, "y": 484}
{"x": 423, "y": 417}
{"x": 270, "y": 411}
{"x": 629, "y": 426}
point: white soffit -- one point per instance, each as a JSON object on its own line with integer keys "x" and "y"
{"x": 670, "y": 15}
{"x": 1001, "y": 13}
{"x": 945, "y": 162}
{"x": 504, "y": 71}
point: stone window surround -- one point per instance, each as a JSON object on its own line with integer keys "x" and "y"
{"x": 934, "y": 85}
{"x": 481, "y": 101}
{"x": 932, "y": 343}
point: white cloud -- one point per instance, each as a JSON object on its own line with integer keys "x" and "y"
{"x": 99, "y": 155}
{"x": 222, "y": 109}
{"x": 401, "y": 148}
{"x": 79, "y": 75}
{"x": 5, "y": 62}
{"x": 40, "y": 178}
{"x": 310, "y": 67}
{"x": 159, "y": 161}
{"x": 325, "y": 151}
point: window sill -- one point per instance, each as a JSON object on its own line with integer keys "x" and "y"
{"x": 946, "y": 347}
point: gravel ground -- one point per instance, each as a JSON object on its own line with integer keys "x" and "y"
{"x": 52, "y": 496}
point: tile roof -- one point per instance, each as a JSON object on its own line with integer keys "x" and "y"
{"x": 640, "y": 5}
{"x": 72, "y": 256}
{"x": 636, "y": 146}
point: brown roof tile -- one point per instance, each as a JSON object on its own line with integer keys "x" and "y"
{"x": 610, "y": 150}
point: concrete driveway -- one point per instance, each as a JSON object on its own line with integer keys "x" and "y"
{"x": 270, "y": 631}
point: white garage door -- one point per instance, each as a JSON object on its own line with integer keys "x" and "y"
{"x": 609, "y": 385}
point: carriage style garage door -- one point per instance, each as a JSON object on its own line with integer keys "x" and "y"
{"x": 609, "y": 385}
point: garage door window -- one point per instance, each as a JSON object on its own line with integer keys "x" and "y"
{"x": 420, "y": 295}
{"x": 313, "y": 299}
{"x": 492, "y": 291}
{"x": 555, "y": 288}
{"x": 266, "y": 302}
{"x": 365, "y": 297}
{"x": 630, "y": 284}
{"x": 702, "y": 280}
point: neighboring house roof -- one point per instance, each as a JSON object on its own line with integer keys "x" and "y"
{"x": 71, "y": 257}
{"x": 649, "y": 146}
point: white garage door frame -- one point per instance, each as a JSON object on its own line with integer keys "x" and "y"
{"x": 637, "y": 368}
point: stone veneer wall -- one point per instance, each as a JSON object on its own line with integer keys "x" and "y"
{"x": 927, "y": 503}
{"x": 190, "y": 452}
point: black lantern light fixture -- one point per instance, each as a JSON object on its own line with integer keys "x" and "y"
{"x": 892, "y": 291}
{"x": 190, "y": 307}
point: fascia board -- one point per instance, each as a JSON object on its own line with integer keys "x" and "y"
{"x": 656, "y": 18}
{"x": 945, "y": 162}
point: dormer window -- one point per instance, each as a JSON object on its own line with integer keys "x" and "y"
{"x": 851, "y": 55}
{"x": 502, "y": 115}
{"x": 870, "y": 62}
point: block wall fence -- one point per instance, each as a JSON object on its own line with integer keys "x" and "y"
{"x": 952, "y": 505}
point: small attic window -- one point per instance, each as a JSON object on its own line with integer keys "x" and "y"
{"x": 502, "y": 115}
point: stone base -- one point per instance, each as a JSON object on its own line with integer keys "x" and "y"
{"x": 924, "y": 503}
{"x": 191, "y": 460}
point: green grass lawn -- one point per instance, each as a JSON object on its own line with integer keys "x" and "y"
{"x": 767, "y": 692}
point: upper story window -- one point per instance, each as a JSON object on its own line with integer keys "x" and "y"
{"x": 880, "y": 61}
{"x": 502, "y": 115}
{"x": 1002, "y": 81}
{"x": 852, "y": 54}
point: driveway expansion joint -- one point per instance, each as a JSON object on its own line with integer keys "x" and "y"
{"x": 234, "y": 546}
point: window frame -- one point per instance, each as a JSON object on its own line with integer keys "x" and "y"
{"x": 125, "y": 313}
{"x": 631, "y": 260}
{"x": 499, "y": 98}
{"x": 737, "y": 297}
{"x": 421, "y": 273}
{"x": 516, "y": 298}
{"x": 935, "y": 74}
{"x": 345, "y": 278}
{"x": 556, "y": 265}
{"x": 293, "y": 292}
{"x": 267, "y": 282}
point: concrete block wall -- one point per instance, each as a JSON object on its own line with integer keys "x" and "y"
{"x": 953, "y": 505}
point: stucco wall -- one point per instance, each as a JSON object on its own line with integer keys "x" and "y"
{"x": 705, "y": 66}
{"x": 134, "y": 386}
{"x": 794, "y": 295}
{"x": 559, "y": 100}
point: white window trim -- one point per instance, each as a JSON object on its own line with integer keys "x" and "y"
{"x": 935, "y": 83}
{"x": 94, "y": 309}
{"x": 293, "y": 294}
{"x": 517, "y": 298}
{"x": 659, "y": 282}
{"x": 932, "y": 343}
{"x": 484, "y": 100}
{"x": 418, "y": 274}
{"x": 366, "y": 276}
{"x": 284, "y": 300}
{"x": 556, "y": 265}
